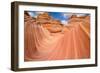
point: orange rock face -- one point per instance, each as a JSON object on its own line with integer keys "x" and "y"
{"x": 46, "y": 39}
{"x": 49, "y": 23}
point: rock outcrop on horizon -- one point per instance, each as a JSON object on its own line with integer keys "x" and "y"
{"x": 84, "y": 22}
{"x": 28, "y": 19}
{"x": 49, "y": 23}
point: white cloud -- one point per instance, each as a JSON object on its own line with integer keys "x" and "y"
{"x": 67, "y": 15}
{"x": 32, "y": 14}
{"x": 64, "y": 22}
{"x": 39, "y": 12}
{"x": 78, "y": 15}
{"x": 70, "y": 14}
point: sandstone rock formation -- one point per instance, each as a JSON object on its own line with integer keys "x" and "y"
{"x": 49, "y": 23}
{"x": 84, "y": 22}
{"x": 46, "y": 39}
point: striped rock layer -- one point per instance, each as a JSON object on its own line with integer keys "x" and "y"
{"x": 45, "y": 41}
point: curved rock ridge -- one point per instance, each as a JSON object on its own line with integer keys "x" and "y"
{"x": 46, "y": 38}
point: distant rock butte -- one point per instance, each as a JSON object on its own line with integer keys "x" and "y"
{"x": 83, "y": 21}
{"x": 49, "y": 23}
{"x": 28, "y": 19}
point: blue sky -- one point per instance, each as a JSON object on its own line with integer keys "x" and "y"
{"x": 62, "y": 16}
{"x": 58, "y": 15}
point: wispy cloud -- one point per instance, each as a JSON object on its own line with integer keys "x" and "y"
{"x": 67, "y": 15}
{"x": 81, "y": 14}
{"x": 39, "y": 12}
{"x": 34, "y": 14}
{"x": 64, "y": 22}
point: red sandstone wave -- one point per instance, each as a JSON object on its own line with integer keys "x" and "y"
{"x": 73, "y": 42}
